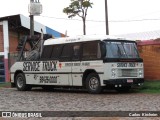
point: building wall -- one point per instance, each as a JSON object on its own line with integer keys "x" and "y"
{"x": 1, "y": 39}
{"x": 151, "y": 57}
{"x": 13, "y": 41}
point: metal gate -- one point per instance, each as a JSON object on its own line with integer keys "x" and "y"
{"x": 2, "y": 69}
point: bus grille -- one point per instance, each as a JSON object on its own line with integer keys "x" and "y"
{"x": 127, "y": 73}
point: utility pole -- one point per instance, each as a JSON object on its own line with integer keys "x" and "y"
{"x": 35, "y": 9}
{"x": 106, "y": 14}
{"x": 31, "y": 21}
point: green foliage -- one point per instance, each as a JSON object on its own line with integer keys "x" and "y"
{"x": 78, "y": 7}
{"x": 150, "y": 87}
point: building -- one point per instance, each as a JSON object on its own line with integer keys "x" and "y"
{"x": 142, "y": 35}
{"x": 12, "y": 28}
{"x": 150, "y": 52}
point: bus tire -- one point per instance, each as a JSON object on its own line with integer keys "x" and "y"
{"x": 93, "y": 84}
{"x": 21, "y": 83}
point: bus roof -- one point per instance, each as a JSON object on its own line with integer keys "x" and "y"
{"x": 81, "y": 38}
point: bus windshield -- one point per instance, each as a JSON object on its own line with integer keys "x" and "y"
{"x": 121, "y": 50}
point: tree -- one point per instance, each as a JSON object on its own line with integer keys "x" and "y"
{"x": 78, "y": 8}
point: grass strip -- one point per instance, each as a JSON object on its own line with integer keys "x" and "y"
{"x": 7, "y": 84}
{"x": 150, "y": 87}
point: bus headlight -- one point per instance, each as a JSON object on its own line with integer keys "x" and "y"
{"x": 140, "y": 75}
{"x": 113, "y": 70}
{"x": 113, "y": 73}
{"x": 140, "y": 72}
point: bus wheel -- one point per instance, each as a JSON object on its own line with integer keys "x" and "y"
{"x": 21, "y": 82}
{"x": 123, "y": 89}
{"x": 93, "y": 83}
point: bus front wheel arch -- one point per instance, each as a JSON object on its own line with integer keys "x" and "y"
{"x": 93, "y": 84}
{"x": 85, "y": 74}
{"x": 20, "y": 82}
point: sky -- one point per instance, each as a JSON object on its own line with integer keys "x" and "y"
{"x": 125, "y": 16}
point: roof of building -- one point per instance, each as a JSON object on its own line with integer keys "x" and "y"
{"x": 149, "y": 42}
{"x": 20, "y": 21}
{"x": 142, "y": 35}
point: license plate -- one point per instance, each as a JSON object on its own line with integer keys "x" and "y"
{"x": 129, "y": 81}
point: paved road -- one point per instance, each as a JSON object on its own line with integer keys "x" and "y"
{"x": 39, "y": 100}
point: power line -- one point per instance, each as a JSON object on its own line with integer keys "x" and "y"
{"x": 135, "y": 20}
{"x": 72, "y": 19}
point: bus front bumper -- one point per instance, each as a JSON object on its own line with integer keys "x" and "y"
{"x": 124, "y": 82}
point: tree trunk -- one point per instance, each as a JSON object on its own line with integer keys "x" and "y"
{"x": 84, "y": 26}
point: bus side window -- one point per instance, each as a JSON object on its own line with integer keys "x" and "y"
{"x": 76, "y": 52}
{"x": 47, "y": 50}
{"x": 66, "y": 53}
{"x": 90, "y": 50}
{"x": 57, "y": 49}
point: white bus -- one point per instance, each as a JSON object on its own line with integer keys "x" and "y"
{"x": 92, "y": 62}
